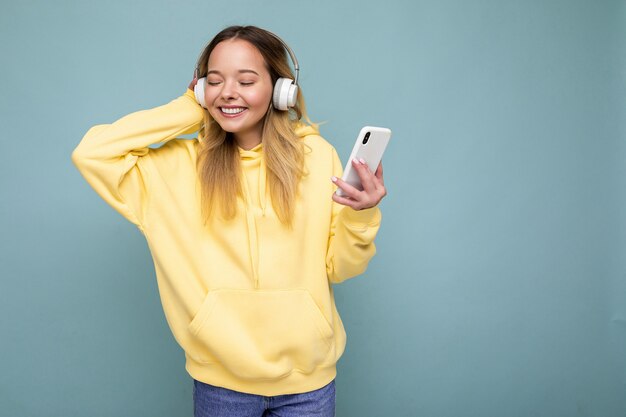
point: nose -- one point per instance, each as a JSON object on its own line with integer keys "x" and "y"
{"x": 229, "y": 92}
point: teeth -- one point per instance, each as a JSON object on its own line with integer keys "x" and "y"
{"x": 233, "y": 111}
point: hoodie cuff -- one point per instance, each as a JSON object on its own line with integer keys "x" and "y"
{"x": 370, "y": 216}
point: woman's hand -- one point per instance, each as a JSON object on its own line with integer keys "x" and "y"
{"x": 373, "y": 187}
{"x": 193, "y": 82}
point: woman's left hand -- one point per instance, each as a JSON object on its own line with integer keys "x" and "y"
{"x": 373, "y": 187}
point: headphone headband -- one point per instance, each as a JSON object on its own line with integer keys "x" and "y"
{"x": 291, "y": 54}
{"x": 294, "y": 60}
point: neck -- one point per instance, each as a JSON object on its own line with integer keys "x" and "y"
{"x": 247, "y": 140}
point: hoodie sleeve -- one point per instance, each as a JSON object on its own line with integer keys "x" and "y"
{"x": 351, "y": 240}
{"x": 113, "y": 157}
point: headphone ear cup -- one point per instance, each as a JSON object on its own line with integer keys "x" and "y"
{"x": 293, "y": 95}
{"x": 198, "y": 90}
{"x": 284, "y": 96}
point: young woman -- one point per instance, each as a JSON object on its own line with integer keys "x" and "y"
{"x": 246, "y": 232}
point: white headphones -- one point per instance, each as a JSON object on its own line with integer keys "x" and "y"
{"x": 285, "y": 89}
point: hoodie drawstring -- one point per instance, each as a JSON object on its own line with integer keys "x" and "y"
{"x": 253, "y": 242}
{"x": 262, "y": 186}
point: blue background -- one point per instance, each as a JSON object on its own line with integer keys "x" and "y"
{"x": 499, "y": 287}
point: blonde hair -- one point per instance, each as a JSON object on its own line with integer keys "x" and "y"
{"x": 218, "y": 157}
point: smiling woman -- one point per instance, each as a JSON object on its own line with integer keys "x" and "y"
{"x": 243, "y": 227}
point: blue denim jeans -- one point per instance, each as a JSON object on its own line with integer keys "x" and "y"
{"x": 212, "y": 401}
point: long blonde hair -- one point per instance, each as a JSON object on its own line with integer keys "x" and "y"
{"x": 218, "y": 157}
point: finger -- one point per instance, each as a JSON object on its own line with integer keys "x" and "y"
{"x": 379, "y": 173}
{"x": 347, "y": 189}
{"x": 344, "y": 201}
{"x": 365, "y": 175}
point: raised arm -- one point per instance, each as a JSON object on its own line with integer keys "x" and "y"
{"x": 112, "y": 157}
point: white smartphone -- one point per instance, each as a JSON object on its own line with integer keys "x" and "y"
{"x": 370, "y": 146}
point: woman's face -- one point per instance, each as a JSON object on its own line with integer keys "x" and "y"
{"x": 238, "y": 90}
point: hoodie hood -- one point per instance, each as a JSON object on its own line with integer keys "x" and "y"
{"x": 251, "y": 159}
{"x": 303, "y": 130}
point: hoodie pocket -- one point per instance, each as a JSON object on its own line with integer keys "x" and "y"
{"x": 261, "y": 334}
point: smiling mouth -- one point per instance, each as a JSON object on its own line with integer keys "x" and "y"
{"x": 233, "y": 111}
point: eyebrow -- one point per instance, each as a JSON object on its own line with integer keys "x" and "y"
{"x": 241, "y": 71}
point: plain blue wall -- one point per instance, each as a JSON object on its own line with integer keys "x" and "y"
{"x": 499, "y": 287}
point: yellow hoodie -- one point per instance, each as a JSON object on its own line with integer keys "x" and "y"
{"x": 249, "y": 301}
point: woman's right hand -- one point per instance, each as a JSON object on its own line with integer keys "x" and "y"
{"x": 193, "y": 82}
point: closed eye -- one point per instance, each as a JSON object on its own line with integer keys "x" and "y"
{"x": 214, "y": 83}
